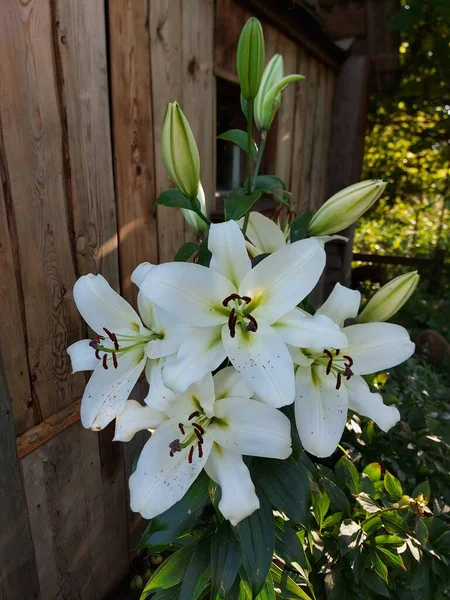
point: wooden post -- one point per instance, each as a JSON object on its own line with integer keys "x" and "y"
{"x": 18, "y": 571}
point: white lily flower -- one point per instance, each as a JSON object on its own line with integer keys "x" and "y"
{"x": 208, "y": 427}
{"x": 125, "y": 343}
{"x": 329, "y": 382}
{"x": 238, "y": 312}
{"x": 265, "y": 236}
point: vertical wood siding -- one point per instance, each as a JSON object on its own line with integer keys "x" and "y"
{"x": 83, "y": 90}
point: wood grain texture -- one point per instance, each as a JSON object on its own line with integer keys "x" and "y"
{"x": 318, "y": 150}
{"x": 18, "y": 569}
{"x": 12, "y": 313}
{"x": 129, "y": 43}
{"x": 230, "y": 17}
{"x": 166, "y": 66}
{"x": 299, "y": 150}
{"x": 32, "y": 137}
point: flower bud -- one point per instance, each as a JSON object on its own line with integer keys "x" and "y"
{"x": 268, "y": 99}
{"x": 192, "y": 218}
{"x": 250, "y": 58}
{"x": 389, "y": 299}
{"x": 345, "y": 207}
{"x": 179, "y": 151}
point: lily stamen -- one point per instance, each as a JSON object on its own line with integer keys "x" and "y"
{"x": 191, "y": 452}
{"x": 252, "y": 325}
{"x": 200, "y": 450}
{"x": 338, "y": 381}
{"x": 196, "y": 413}
{"x": 330, "y": 361}
{"x": 198, "y": 428}
{"x": 105, "y": 365}
{"x": 232, "y": 319}
{"x": 181, "y": 427}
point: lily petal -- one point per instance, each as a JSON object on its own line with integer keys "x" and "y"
{"x": 306, "y": 331}
{"x": 229, "y": 252}
{"x": 263, "y": 361}
{"x": 228, "y": 382}
{"x": 299, "y": 357}
{"x": 264, "y": 233}
{"x": 160, "y": 480}
{"x": 100, "y": 306}
{"x": 239, "y": 499}
{"x": 134, "y": 418}
{"x": 320, "y": 410}
{"x": 252, "y": 428}
{"x": 140, "y": 272}
{"x": 174, "y": 333}
{"x": 82, "y": 356}
{"x": 377, "y": 346}
{"x": 159, "y": 396}
{"x": 146, "y": 310}
{"x": 341, "y": 304}
{"x": 107, "y": 390}
{"x": 191, "y": 292}
{"x": 279, "y": 282}
{"x": 368, "y": 404}
{"x": 199, "y": 354}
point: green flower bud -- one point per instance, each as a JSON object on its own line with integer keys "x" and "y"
{"x": 179, "y": 151}
{"x": 250, "y": 58}
{"x": 192, "y": 218}
{"x": 268, "y": 99}
{"x": 389, "y": 299}
{"x": 345, "y": 207}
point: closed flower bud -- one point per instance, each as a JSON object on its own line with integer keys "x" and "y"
{"x": 389, "y": 299}
{"x": 268, "y": 99}
{"x": 250, "y": 58}
{"x": 192, "y": 218}
{"x": 179, "y": 151}
{"x": 345, "y": 207}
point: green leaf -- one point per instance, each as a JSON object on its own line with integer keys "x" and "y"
{"x": 392, "y": 485}
{"x": 371, "y": 525}
{"x": 268, "y": 591}
{"x": 168, "y": 594}
{"x": 366, "y": 485}
{"x": 185, "y": 252}
{"x": 393, "y": 522}
{"x": 288, "y": 546}
{"x": 286, "y": 486}
{"x": 424, "y": 489}
{"x": 421, "y": 531}
{"x": 350, "y": 536}
{"x": 268, "y": 183}
{"x": 239, "y": 202}
{"x": 240, "y": 138}
{"x": 171, "y": 571}
{"x": 339, "y": 500}
{"x": 321, "y": 504}
{"x": 198, "y": 573}
{"x": 389, "y": 540}
{"x": 299, "y": 226}
{"x": 346, "y": 472}
{"x": 167, "y": 526}
{"x": 373, "y": 471}
{"x": 257, "y": 541}
{"x": 204, "y": 255}
{"x": 367, "y": 503}
{"x": 332, "y": 520}
{"x": 175, "y": 199}
{"x": 375, "y": 584}
{"x": 225, "y": 560}
{"x": 287, "y": 585}
{"x": 379, "y": 566}
{"x": 390, "y": 558}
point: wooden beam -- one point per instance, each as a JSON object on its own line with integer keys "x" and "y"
{"x": 18, "y": 570}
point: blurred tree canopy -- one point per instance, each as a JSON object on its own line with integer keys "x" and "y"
{"x": 408, "y": 139}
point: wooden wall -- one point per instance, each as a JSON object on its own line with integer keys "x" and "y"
{"x": 83, "y": 89}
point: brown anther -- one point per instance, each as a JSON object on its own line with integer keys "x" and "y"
{"x": 199, "y": 436}
{"x": 348, "y": 372}
{"x": 349, "y": 360}
{"x": 338, "y": 381}
{"x": 330, "y": 361}
{"x": 200, "y": 450}
{"x": 181, "y": 427}
{"x": 97, "y": 354}
{"x": 105, "y": 366}
{"x": 246, "y": 299}
{"x": 337, "y": 351}
{"x": 112, "y": 337}
{"x": 191, "y": 452}
{"x": 115, "y": 363}
{"x": 252, "y": 324}
{"x": 199, "y": 428}
{"x": 232, "y": 322}
{"x": 231, "y": 297}
{"x": 194, "y": 414}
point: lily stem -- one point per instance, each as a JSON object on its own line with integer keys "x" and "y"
{"x": 249, "y": 157}
{"x": 262, "y": 146}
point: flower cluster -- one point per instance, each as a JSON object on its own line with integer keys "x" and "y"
{"x": 224, "y": 341}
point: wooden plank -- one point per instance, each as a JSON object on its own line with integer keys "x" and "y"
{"x": 165, "y": 25}
{"x": 32, "y": 135}
{"x": 81, "y": 71}
{"x": 386, "y": 259}
{"x": 328, "y": 119}
{"x": 49, "y": 428}
{"x": 12, "y": 315}
{"x": 301, "y": 117}
{"x": 230, "y": 18}
{"x": 199, "y": 82}
{"x": 133, "y": 137}
{"x": 18, "y": 569}
{"x": 308, "y": 132}
{"x": 319, "y": 149}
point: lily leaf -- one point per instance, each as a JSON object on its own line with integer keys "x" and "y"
{"x": 239, "y": 202}
{"x": 240, "y": 138}
{"x": 171, "y": 571}
{"x": 299, "y": 226}
{"x": 198, "y": 573}
{"x": 225, "y": 561}
{"x": 185, "y": 252}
